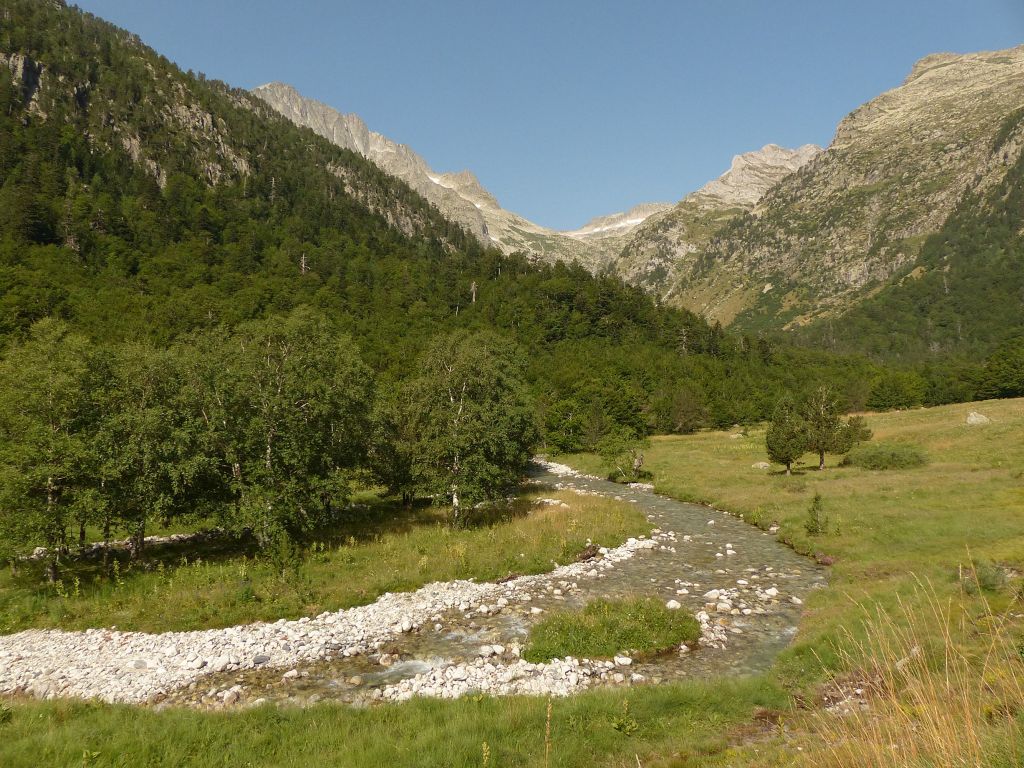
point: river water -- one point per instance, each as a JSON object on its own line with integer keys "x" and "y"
{"x": 711, "y": 550}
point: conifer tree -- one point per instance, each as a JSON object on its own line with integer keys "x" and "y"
{"x": 786, "y": 439}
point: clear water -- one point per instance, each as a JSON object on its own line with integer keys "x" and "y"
{"x": 702, "y": 564}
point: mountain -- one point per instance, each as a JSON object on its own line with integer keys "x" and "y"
{"x": 458, "y": 196}
{"x": 855, "y": 217}
{"x": 140, "y": 203}
{"x": 668, "y": 241}
{"x": 962, "y": 297}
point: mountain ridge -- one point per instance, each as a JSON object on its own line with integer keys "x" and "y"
{"x": 459, "y": 196}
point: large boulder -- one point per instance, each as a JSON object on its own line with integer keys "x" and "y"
{"x": 975, "y": 419}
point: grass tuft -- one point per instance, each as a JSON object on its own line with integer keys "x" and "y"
{"x": 605, "y": 628}
{"x": 929, "y": 700}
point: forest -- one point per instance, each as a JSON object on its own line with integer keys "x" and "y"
{"x": 206, "y": 308}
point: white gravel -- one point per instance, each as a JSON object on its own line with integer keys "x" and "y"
{"x": 139, "y": 667}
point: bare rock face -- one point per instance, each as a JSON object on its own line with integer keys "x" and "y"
{"x": 26, "y": 74}
{"x": 669, "y": 240}
{"x": 752, "y": 174}
{"x": 848, "y": 219}
{"x": 458, "y": 196}
{"x": 350, "y": 132}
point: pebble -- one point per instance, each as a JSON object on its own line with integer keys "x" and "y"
{"x": 114, "y": 666}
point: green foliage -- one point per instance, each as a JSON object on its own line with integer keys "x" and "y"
{"x": 816, "y": 523}
{"x": 962, "y": 300}
{"x": 982, "y": 575}
{"x": 1002, "y": 374}
{"x": 882, "y": 455}
{"x": 605, "y": 628}
{"x": 45, "y": 420}
{"x": 251, "y": 265}
{"x": 284, "y": 404}
{"x": 470, "y": 419}
{"x": 786, "y": 437}
{"x": 621, "y": 451}
{"x": 823, "y": 429}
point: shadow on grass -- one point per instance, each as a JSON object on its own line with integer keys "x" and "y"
{"x": 358, "y": 523}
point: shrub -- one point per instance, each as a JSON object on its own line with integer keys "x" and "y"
{"x": 886, "y": 456}
{"x": 982, "y": 576}
{"x": 817, "y": 521}
{"x": 605, "y": 628}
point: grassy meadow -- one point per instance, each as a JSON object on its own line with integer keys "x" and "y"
{"x": 221, "y": 584}
{"x": 922, "y": 617}
{"x": 887, "y": 530}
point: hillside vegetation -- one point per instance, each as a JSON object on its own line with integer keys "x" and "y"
{"x": 939, "y": 547}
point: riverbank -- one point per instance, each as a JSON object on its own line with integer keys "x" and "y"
{"x": 887, "y": 531}
{"x": 221, "y": 584}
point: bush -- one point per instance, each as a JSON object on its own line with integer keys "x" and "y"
{"x": 605, "y": 628}
{"x": 817, "y": 521}
{"x": 982, "y": 576}
{"x": 886, "y": 456}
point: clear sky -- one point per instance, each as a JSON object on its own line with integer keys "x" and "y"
{"x": 576, "y": 108}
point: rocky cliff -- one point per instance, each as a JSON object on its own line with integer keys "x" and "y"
{"x": 670, "y": 240}
{"x": 458, "y": 196}
{"x": 856, "y": 215}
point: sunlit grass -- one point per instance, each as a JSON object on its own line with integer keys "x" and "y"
{"x": 605, "y": 628}
{"x": 219, "y": 588}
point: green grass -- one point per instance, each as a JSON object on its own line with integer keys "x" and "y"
{"x": 222, "y": 586}
{"x": 608, "y": 727}
{"x": 888, "y": 531}
{"x": 605, "y": 628}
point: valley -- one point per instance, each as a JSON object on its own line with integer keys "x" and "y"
{"x": 312, "y": 454}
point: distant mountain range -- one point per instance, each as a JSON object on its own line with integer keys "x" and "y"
{"x": 785, "y": 238}
{"x": 460, "y": 196}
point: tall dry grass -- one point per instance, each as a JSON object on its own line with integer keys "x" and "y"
{"x": 938, "y": 689}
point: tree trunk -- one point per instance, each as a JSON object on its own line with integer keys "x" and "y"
{"x": 81, "y": 534}
{"x": 53, "y": 568}
{"x": 789, "y": 468}
{"x": 138, "y": 540}
{"x": 821, "y": 460}
{"x": 106, "y": 543}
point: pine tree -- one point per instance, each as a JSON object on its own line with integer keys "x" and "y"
{"x": 786, "y": 439}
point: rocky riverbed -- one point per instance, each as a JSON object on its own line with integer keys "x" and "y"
{"x": 449, "y": 639}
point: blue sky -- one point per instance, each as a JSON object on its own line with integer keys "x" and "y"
{"x": 568, "y": 110}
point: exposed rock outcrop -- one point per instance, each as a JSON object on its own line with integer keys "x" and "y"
{"x": 458, "y": 196}
{"x": 856, "y": 215}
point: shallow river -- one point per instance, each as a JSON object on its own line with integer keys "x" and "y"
{"x": 711, "y": 550}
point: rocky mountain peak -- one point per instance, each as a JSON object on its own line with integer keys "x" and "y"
{"x": 752, "y": 174}
{"x": 616, "y": 224}
{"x": 459, "y": 196}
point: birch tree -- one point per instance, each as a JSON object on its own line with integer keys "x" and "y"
{"x": 44, "y": 426}
{"x": 476, "y": 420}
{"x": 286, "y": 406}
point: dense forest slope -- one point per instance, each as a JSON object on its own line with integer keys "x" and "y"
{"x": 141, "y": 202}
